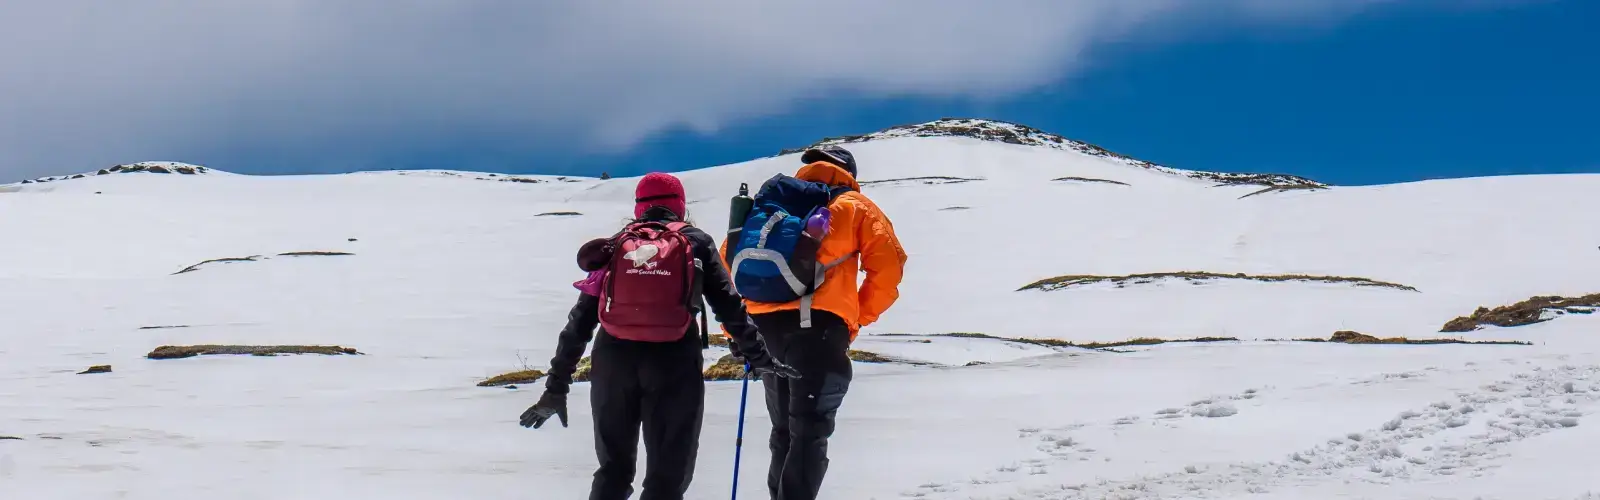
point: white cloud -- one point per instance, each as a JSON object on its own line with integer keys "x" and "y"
{"x": 348, "y": 82}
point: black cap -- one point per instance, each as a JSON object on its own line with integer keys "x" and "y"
{"x": 831, "y": 154}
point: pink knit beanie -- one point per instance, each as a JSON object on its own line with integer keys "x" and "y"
{"x": 659, "y": 189}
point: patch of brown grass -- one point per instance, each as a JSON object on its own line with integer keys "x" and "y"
{"x": 307, "y": 254}
{"x": 1071, "y": 280}
{"x": 718, "y": 340}
{"x": 1522, "y": 313}
{"x": 196, "y": 267}
{"x": 1141, "y": 341}
{"x": 1088, "y": 179}
{"x": 968, "y": 335}
{"x": 176, "y": 352}
{"x": 1058, "y": 343}
{"x": 1350, "y": 337}
{"x": 868, "y": 357}
{"x": 516, "y": 377}
{"x": 96, "y": 369}
{"x": 581, "y": 374}
{"x": 726, "y": 368}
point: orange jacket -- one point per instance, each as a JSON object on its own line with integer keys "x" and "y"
{"x": 856, "y": 224}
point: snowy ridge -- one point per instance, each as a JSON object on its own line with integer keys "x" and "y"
{"x": 481, "y": 176}
{"x": 180, "y": 168}
{"x": 149, "y": 167}
{"x": 1012, "y": 133}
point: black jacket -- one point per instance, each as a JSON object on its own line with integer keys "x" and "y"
{"x": 725, "y": 303}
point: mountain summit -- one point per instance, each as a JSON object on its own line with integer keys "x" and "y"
{"x": 1023, "y": 135}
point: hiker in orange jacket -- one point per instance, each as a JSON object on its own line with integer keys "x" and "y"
{"x": 860, "y": 237}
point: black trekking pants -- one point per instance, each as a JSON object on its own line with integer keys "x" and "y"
{"x": 655, "y": 386}
{"x": 803, "y": 410}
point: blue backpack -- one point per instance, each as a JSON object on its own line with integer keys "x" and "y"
{"x": 772, "y": 259}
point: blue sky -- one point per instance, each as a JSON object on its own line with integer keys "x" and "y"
{"x": 1385, "y": 97}
{"x": 1344, "y": 91}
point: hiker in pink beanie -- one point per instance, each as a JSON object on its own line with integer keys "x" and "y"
{"x": 658, "y": 189}
{"x": 653, "y": 277}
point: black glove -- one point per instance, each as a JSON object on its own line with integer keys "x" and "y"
{"x": 775, "y": 367}
{"x": 549, "y": 404}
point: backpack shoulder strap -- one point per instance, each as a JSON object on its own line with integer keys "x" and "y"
{"x": 835, "y": 191}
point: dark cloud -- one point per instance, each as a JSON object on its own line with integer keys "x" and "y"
{"x": 317, "y": 85}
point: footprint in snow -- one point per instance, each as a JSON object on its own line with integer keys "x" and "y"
{"x": 1215, "y": 410}
{"x": 1415, "y": 444}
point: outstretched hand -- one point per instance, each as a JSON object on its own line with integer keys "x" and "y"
{"x": 550, "y": 404}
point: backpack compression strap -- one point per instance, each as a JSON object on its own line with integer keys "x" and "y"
{"x": 805, "y": 300}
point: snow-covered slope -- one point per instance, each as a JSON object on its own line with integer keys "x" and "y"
{"x": 443, "y": 278}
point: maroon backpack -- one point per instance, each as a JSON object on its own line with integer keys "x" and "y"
{"x": 651, "y": 287}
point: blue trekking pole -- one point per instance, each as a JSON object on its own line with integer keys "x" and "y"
{"x": 738, "y": 446}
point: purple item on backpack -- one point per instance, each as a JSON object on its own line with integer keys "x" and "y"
{"x": 590, "y": 285}
{"x": 817, "y": 223}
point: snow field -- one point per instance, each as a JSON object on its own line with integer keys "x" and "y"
{"x": 453, "y": 279}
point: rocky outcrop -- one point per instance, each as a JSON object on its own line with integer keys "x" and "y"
{"x": 1022, "y": 135}
{"x": 1353, "y": 337}
{"x": 153, "y": 167}
{"x": 1534, "y": 310}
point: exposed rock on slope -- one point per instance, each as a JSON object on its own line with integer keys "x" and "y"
{"x": 1276, "y": 189}
{"x": 175, "y": 352}
{"x": 1534, "y": 310}
{"x": 1351, "y": 337}
{"x": 1060, "y": 282}
{"x": 1011, "y": 133}
{"x": 196, "y": 267}
{"x": 1058, "y": 343}
{"x": 255, "y": 258}
{"x": 152, "y": 167}
{"x": 1089, "y": 180}
{"x": 937, "y": 179}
